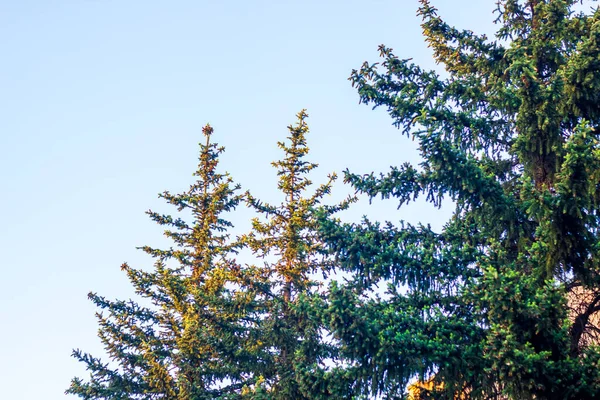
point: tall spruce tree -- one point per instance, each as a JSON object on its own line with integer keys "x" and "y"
{"x": 185, "y": 340}
{"x": 511, "y": 137}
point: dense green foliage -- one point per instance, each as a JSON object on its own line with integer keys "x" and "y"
{"x": 502, "y": 303}
{"x": 511, "y": 137}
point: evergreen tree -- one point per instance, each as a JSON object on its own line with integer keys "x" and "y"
{"x": 479, "y": 309}
{"x": 211, "y": 328}
{"x": 185, "y": 340}
{"x": 286, "y": 286}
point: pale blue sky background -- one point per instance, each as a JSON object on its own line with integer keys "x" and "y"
{"x": 101, "y": 107}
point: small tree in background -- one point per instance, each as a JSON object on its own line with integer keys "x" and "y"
{"x": 187, "y": 342}
{"x": 511, "y": 137}
{"x": 213, "y": 328}
{"x": 285, "y": 239}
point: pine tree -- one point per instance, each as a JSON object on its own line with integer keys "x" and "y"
{"x": 184, "y": 339}
{"x": 211, "y": 328}
{"x": 479, "y": 309}
{"x": 286, "y": 285}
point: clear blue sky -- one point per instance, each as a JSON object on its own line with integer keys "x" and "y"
{"x": 101, "y": 107}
